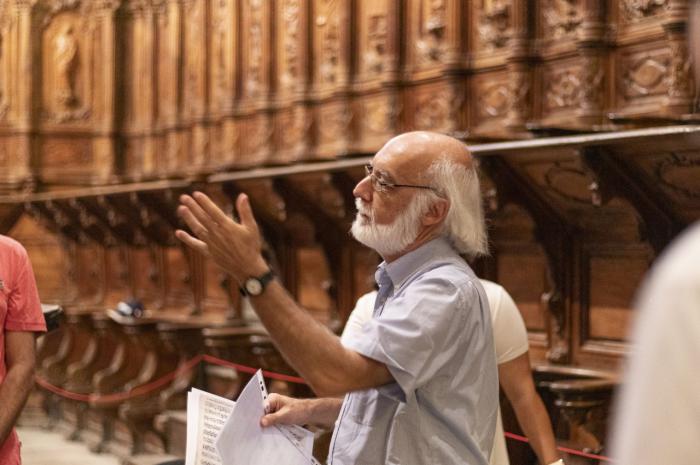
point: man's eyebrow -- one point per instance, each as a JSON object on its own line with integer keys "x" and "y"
{"x": 384, "y": 175}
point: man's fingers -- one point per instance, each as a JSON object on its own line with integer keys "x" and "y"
{"x": 273, "y": 419}
{"x": 212, "y": 209}
{"x": 245, "y": 212}
{"x": 192, "y": 222}
{"x": 192, "y": 242}
{"x": 197, "y": 213}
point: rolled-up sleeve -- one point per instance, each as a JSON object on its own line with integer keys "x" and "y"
{"x": 417, "y": 331}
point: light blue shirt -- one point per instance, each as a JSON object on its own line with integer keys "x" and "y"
{"x": 432, "y": 329}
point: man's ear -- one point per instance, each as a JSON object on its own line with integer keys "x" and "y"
{"x": 437, "y": 212}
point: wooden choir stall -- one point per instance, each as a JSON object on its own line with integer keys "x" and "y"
{"x": 581, "y": 113}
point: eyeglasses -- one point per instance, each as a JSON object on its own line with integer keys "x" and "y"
{"x": 380, "y": 185}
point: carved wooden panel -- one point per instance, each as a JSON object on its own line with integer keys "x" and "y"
{"x": 376, "y": 48}
{"x": 434, "y": 107}
{"x": 222, "y": 63}
{"x": 648, "y": 76}
{"x": 139, "y": 91}
{"x": 167, "y": 91}
{"x": 291, "y": 57}
{"x": 574, "y": 191}
{"x": 255, "y": 141}
{"x": 331, "y": 40}
{"x": 332, "y": 128}
{"x": 560, "y": 21}
{"x": 434, "y": 35}
{"x": 561, "y": 91}
{"x": 492, "y": 25}
{"x": 492, "y": 97}
{"x": 291, "y": 133}
{"x": 676, "y": 174}
{"x": 67, "y": 65}
{"x": 255, "y": 50}
{"x": 379, "y": 122}
{"x": 640, "y": 18}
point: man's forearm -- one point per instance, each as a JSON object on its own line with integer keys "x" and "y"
{"x": 310, "y": 348}
{"x": 14, "y": 391}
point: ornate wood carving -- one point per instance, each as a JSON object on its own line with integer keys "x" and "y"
{"x": 562, "y": 17}
{"x": 645, "y": 74}
{"x": 494, "y": 23}
{"x": 290, "y": 49}
{"x": 556, "y": 239}
{"x": 328, "y": 22}
{"x": 635, "y": 10}
{"x": 563, "y": 89}
{"x": 432, "y": 31}
{"x": 660, "y": 224}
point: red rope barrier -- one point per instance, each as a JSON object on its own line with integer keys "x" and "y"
{"x": 563, "y": 449}
{"x": 245, "y": 369}
{"x": 190, "y": 364}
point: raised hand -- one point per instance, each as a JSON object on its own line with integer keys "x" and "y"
{"x": 233, "y": 246}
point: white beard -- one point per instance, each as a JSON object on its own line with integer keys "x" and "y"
{"x": 388, "y": 239}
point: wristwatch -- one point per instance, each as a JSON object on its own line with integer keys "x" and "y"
{"x": 255, "y": 286}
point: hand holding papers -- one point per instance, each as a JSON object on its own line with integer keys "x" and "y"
{"x": 240, "y": 440}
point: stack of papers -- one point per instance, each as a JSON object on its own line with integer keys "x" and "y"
{"x": 224, "y": 432}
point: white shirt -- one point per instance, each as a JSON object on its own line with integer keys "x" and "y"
{"x": 658, "y": 411}
{"x": 510, "y": 340}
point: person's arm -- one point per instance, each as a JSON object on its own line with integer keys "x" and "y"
{"x": 15, "y": 388}
{"x": 308, "y": 346}
{"x": 515, "y": 378}
{"x": 289, "y": 411}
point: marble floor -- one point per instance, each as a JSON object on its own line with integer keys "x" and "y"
{"x": 42, "y": 447}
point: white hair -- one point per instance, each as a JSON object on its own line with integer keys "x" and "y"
{"x": 464, "y": 225}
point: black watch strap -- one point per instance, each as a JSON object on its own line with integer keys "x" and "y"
{"x": 260, "y": 281}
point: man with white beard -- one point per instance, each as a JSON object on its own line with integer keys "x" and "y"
{"x": 419, "y": 381}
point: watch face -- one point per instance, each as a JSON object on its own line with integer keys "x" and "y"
{"x": 253, "y": 286}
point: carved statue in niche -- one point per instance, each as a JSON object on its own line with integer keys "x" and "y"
{"x": 637, "y": 9}
{"x": 254, "y": 72}
{"x": 330, "y": 48}
{"x": 562, "y": 17}
{"x": 220, "y": 62}
{"x": 376, "y": 43}
{"x": 494, "y": 23}
{"x": 432, "y": 26}
{"x": 66, "y": 66}
{"x": 194, "y": 52}
{"x": 290, "y": 16}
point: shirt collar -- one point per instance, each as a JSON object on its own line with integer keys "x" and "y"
{"x": 403, "y": 267}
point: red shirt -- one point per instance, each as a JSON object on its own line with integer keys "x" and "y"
{"x": 20, "y": 310}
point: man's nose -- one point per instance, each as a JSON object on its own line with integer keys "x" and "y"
{"x": 363, "y": 189}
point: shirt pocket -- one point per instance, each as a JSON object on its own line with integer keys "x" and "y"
{"x": 373, "y": 406}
